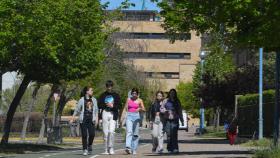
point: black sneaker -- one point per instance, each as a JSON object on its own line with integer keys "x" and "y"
{"x": 127, "y": 150}
{"x": 89, "y": 149}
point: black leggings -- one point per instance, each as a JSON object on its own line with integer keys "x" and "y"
{"x": 88, "y": 133}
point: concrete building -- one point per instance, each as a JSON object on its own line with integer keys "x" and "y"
{"x": 149, "y": 49}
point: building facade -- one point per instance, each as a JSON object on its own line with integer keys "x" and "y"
{"x": 148, "y": 48}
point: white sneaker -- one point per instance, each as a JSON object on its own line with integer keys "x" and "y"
{"x": 111, "y": 151}
{"x": 105, "y": 153}
{"x": 85, "y": 153}
{"x": 134, "y": 152}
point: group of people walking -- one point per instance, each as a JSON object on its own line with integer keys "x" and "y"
{"x": 164, "y": 115}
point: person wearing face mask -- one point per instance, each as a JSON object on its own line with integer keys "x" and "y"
{"x": 156, "y": 123}
{"x": 133, "y": 106}
{"x": 109, "y": 103}
{"x": 172, "y": 111}
{"x": 88, "y": 114}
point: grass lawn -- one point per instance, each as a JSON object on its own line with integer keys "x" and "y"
{"x": 211, "y": 132}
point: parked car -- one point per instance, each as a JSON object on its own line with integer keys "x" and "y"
{"x": 186, "y": 120}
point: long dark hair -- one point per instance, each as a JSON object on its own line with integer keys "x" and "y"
{"x": 172, "y": 95}
{"x": 84, "y": 91}
{"x": 159, "y": 92}
{"x": 135, "y": 90}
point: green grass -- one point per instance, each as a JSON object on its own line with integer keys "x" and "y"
{"x": 211, "y": 132}
{"x": 268, "y": 153}
{"x": 258, "y": 143}
{"x": 22, "y": 148}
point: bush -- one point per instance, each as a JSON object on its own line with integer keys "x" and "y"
{"x": 268, "y": 153}
{"x": 34, "y": 123}
{"x": 248, "y": 113}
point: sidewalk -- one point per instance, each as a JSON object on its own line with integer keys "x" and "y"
{"x": 190, "y": 147}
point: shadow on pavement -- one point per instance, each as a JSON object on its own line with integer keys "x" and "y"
{"x": 227, "y": 152}
{"x": 196, "y": 141}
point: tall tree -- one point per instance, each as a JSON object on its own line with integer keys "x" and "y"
{"x": 52, "y": 41}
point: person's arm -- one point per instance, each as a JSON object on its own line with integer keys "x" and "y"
{"x": 142, "y": 107}
{"x": 96, "y": 110}
{"x": 117, "y": 102}
{"x": 101, "y": 104}
{"x": 77, "y": 110}
{"x": 124, "y": 111}
{"x": 180, "y": 113}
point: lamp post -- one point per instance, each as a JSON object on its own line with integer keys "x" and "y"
{"x": 202, "y": 56}
{"x": 261, "y": 94}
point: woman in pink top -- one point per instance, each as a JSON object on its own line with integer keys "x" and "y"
{"x": 133, "y": 106}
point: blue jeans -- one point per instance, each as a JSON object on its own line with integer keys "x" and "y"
{"x": 171, "y": 129}
{"x": 132, "y": 130}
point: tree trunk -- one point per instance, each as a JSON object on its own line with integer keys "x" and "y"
{"x": 218, "y": 118}
{"x": 26, "y": 119}
{"x": 215, "y": 118}
{"x": 45, "y": 115}
{"x": 12, "y": 109}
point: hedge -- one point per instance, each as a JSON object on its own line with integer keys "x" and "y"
{"x": 248, "y": 113}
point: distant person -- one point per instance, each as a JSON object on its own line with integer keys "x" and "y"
{"x": 172, "y": 113}
{"x": 109, "y": 103}
{"x": 87, "y": 110}
{"x": 232, "y": 131}
{"x": 156, "y": 123}
{"x": 133, "y": 106}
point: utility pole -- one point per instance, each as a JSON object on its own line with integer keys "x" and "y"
{"x": 261, "y": 94}
{"x": 143, "y": 5}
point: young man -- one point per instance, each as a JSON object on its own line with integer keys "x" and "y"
{"x": 109, "y": 103}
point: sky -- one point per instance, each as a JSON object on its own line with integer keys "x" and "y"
{"x": 138, "y": 4}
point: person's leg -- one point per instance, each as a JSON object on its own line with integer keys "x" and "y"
{"x": 135, "y": 138}
{"x": 105, "y": 127}
{"x": 91, "y": 135}
{"x": 160, "y": 137}
{"x": 112, "y": 127}
{"x": 84, "y": 138}
{"x": 129, "y": 133}
{"x": 155, "y": 137}
{"x": 230, "y": 138}
{"x": 168, "y": 134}
{"x": 175, "y": 136}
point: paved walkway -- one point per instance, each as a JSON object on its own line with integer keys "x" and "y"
{"x": 190, "y": 147}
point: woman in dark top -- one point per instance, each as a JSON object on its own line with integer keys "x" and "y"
{"x": 156, "y": 123}
{"x": 172, "y": 111}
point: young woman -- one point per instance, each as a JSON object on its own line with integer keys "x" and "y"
{"x": 87, "y": 110}
{"x": 156, "y": 122}
{"x": 172, "y": 113}
{"x": 133, "y": 106}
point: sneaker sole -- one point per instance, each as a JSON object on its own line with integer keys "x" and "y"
{"x": 127, "y": 151}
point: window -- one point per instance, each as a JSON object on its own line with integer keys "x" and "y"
{"x": 158, "y": 55}
{"x": 142, "y": 35}
{"x": 163, "y": 75}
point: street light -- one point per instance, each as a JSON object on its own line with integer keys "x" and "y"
{"x": 202, "y": 56}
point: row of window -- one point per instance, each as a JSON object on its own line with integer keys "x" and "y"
{"x": 143, "y": 35}
{"x": 163, "y": 75}
{"x": 158, "y": 55}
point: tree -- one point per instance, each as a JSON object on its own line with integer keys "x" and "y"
{"x": 244, "y": 23}
{"x": 52, "y": 41}
{"x": 189, "y": 102}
